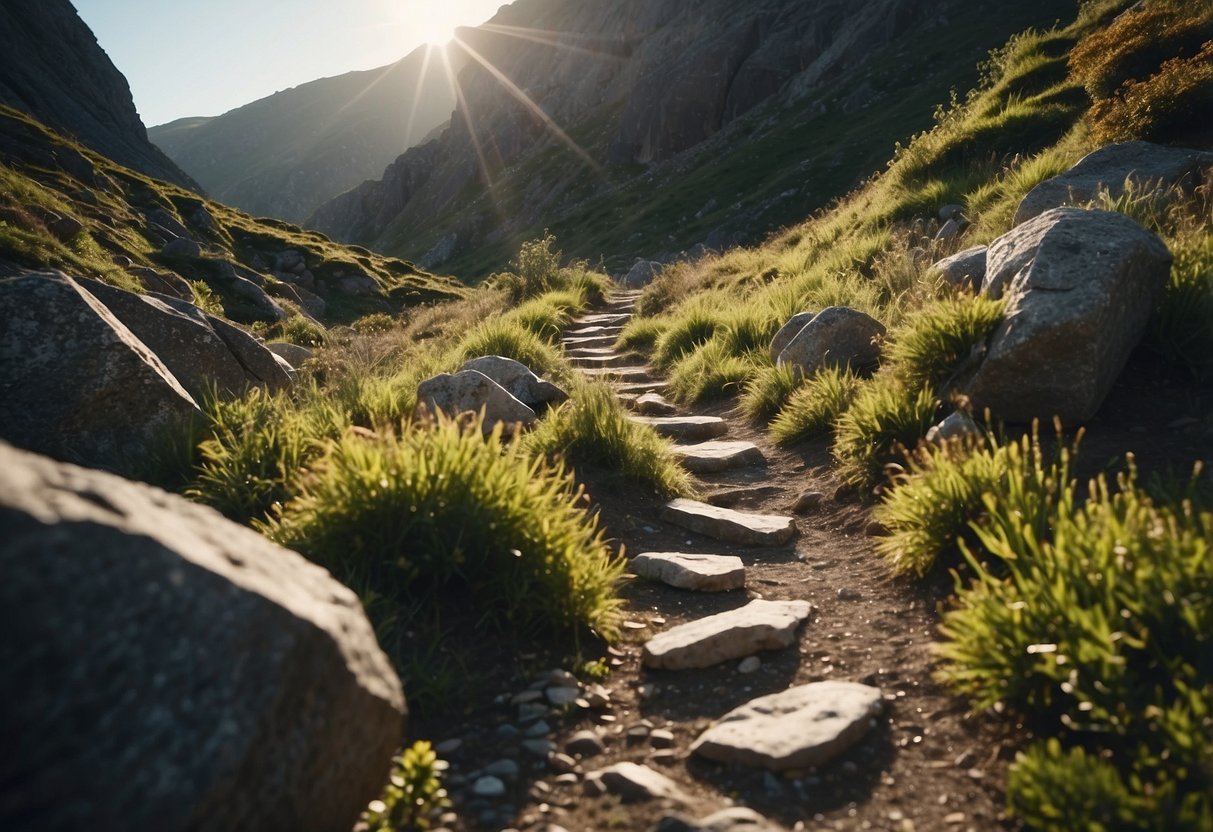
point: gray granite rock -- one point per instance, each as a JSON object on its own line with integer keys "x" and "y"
{"x": 759, "y": 625}
{"x": 836, "y": 337}
{"x": 726, "y": 524}
{"x": 705, "y": 573}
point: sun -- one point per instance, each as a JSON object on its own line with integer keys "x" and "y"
{"x": 434, "y": 26}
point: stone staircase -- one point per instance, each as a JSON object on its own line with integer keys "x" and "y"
{"x": 773, "y": 737}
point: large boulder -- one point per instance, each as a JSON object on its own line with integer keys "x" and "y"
{"x": 1079, "y": 286}
{"x": 75, "y": 382}
{"x": 165, "y": 668}
{"x": 519, "y": 380}
{"x": 642, "y": 273}
{"x": 837, "y": 336}
{"x": 470, "y": 391}
{"x": 789, "y": 331}
{"x": 1145, "y": 166}
{"x": 200, "y": 349}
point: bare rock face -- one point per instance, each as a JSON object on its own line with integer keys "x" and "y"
{"x": 1079, "y": 287}
{"x": 1146, "y": 166}
{"x": 836, "y": 337}
{"x": 198, "y": 348}
{"x": 53, "y": 68}
{"x": 519, "y": 381}
{"x": 642, "y": 273}
{"x": 75, "y": 382}
{"x": 165, "y": 668}
{"x": 470, "y": 391}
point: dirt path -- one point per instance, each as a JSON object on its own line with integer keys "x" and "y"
{"x": 924, "y": 765}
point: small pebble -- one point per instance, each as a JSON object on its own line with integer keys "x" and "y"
{"x": 538, "y": 729}
{"x": 507, "y": 730}
{"x": 664, "y": 757}
{"x": 749, "y": 664}
{"x": 448, "y": 746}
{"x": 585, "y": 743}
{"x": 488, "y": 786}
{"x": 847, "y": 594}
{"x": 562, "y": 763}
{"x": 806, "y": 502}
{"x": 966, "y": 760}
{"x": 569, "y": 778}
{"x": 954, "y": 818}
{"x": 562, "y": 696}
{"x": 538, "y": 747}
{"x": 526, "y": 696}
{"x": 634, "y": 625}
{"x": 505, "y": 769}
{"x": 594, "y": 787}
{"x": 661, "y": 738}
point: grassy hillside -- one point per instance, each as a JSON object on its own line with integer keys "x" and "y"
{"x": 107, "y": 232}
{"x": 283, "y": 155}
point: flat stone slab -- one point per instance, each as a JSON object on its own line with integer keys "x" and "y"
{"x": 729, "y": 525}
{"x": 759, "y": 625}
{"x": 605, "y": 360}
{"x": 584, "y": 331}
{"x": 642, "y": 386}
{"x": 590, "y": 341}
{"x": 693, "y": 428}
{"x": 800, "y": 727}
{"x": 634, "y": 782}
{"x": 713, "y": 456}
{"x": 619, "y": 373}
{"x": 654, "y": 404}
{"x": 604, "y": 319}
{"x": 704, "y": 573}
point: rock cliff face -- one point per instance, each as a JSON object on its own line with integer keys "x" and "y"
{"x": 284, "y": 155}
{"x": 656, "y": 83}
{"x": 52, "y": 68}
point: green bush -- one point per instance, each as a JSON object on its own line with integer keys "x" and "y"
{"x": 936, "y": 341}
{"x": 503, "y": 336}
{"x": 444, "y": 505}
{"x": 767, "y": 392}
{"x": 593, "y": 429}
{"x": 302, "y": 331}
{"x": 814, "y": 408}
{"x": 710, "y": 372}
{"x": 884, "y": 420}
{"x": 374, "y": 323}
{"x": 1097, "y": 624}
{"x": 542, "y": 317}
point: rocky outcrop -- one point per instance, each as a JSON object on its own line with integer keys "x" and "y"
{"x": 1079, "y": 286}
{"x": 1143, "y": 166}
{"x": 964, "y": 269}
{"x": 52, "y": 67}
{"x": 165, "y": 668}
{"x": 838, "y": 336}
{"x": 75, "y": 382}
{"x": 285, "y": 154}
{"x": 201, "y": 350}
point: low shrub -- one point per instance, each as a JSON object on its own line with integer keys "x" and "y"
{"x": 593, "y": 429}
{"x": 542, "y": 317}
{"x": 640, "y": 333}
{"x": 885, "y": 419}
{"x": 814, "y": 408}
{"x": 711, "y": 372}
{"x": 684, "y": 333}
{"x": 444, "y": 505}
{"x": 936, "y": 341}
{"x": 414, "y": 796}
{"x": 373, "y": 323}
{"x": 767, "y": 392}
{"x": 302, "y": 331}
{"x": 1094, "y": 624}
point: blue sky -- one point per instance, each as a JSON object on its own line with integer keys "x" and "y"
{"x": 205, "y": 57}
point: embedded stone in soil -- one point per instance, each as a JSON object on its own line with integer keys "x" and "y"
{"x": 711, "y": 457}
{"x": 641, "y": 387}
{"x": 590, "y": 341}
{"x": 634, "y": 782}
{"x": 804, "y": 726}
{"x": 653, "y": 404}
{"x": 705, "y": 573}
{"x": 594, "y": 361}
{"x": 604, "y": 319}
{"x": 620, "y": 373}
{"x": 586, "y": 331}
{"x": 759, "y": 625}
{"x": 691, "y": 428}
{"x": 729, "y": 525}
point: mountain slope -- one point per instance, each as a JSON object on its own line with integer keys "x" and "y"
{"x": 52, "y": 67}
{"x": 691, "y": 123}
{"x": 283, "y": 155}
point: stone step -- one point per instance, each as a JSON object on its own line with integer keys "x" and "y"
{"x": 704, "y": 573}
{"x": 799, "y": 728}
{"x": 654, "y": 386}
{"x": 711, "y": 457}
{"x": 690, "y": 428}
{"x": 759, "y": 625}
{"x": 609, "y": 360}
{"x": 589, "y": 341}
{"x": 729, "y": 525}
{"x": 603, "y": 319}
{"x": 586, "y": 352}
{"x": 584, "y": 331}
{"x": 654, "y": 404}
{"x": 627, "y": 374}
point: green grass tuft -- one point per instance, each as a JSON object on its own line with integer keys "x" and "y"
{"x": 768, "y": 390}
{"x": 593, "y": 429}
{"x": 935, "y": 341}
{"x": 814, "y": 408}
{"x": 884, "y": 420}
